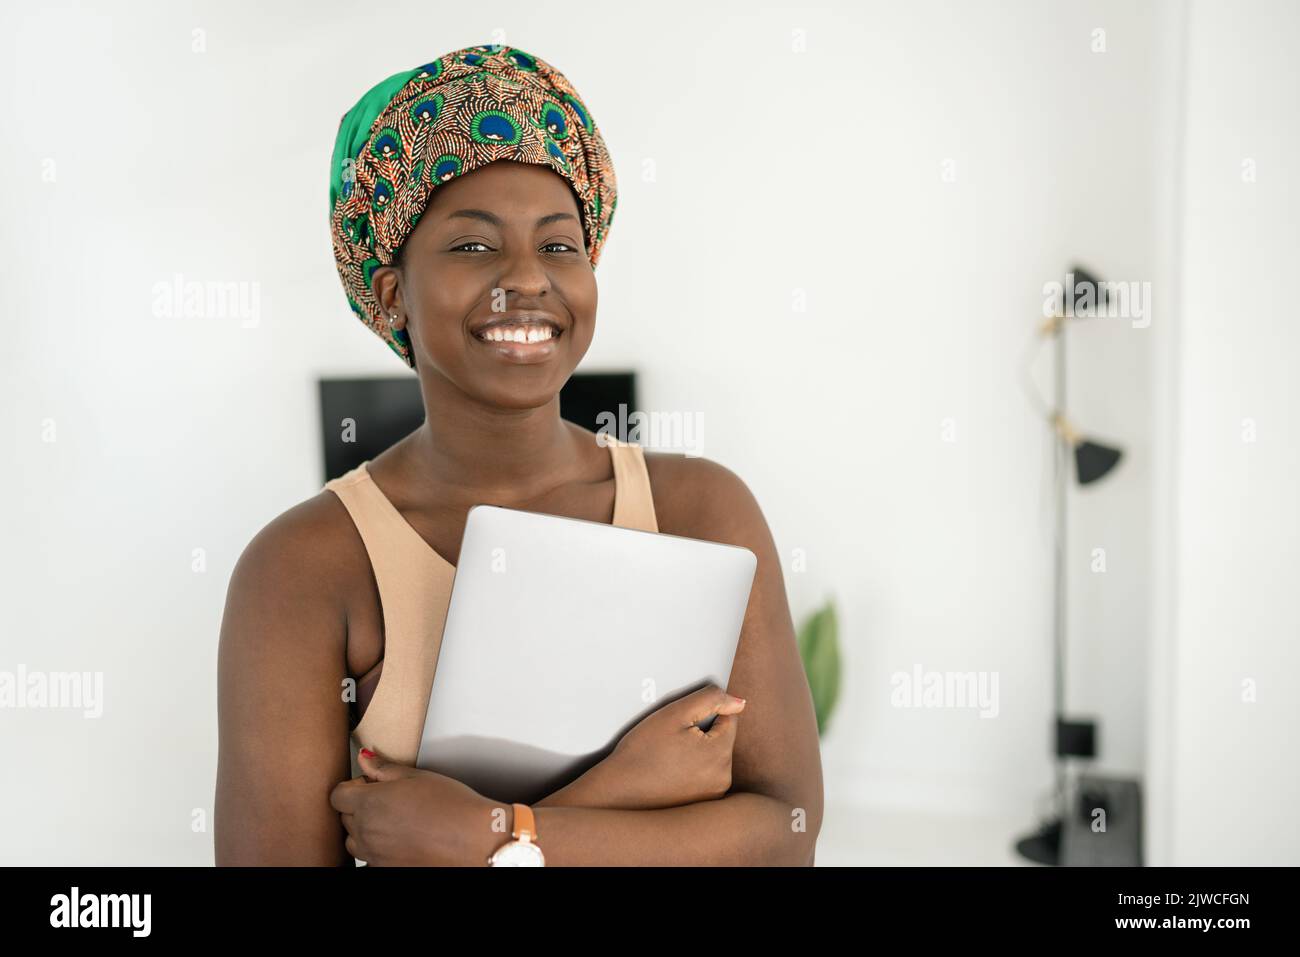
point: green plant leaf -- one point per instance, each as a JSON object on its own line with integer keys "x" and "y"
{"x": 819, "y": 648}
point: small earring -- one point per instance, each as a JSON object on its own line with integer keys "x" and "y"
{"x": 392, "y": 321}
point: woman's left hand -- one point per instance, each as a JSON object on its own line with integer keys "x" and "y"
{"x": 398, "y": 815}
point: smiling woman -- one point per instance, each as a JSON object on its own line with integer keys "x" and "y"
{"x": 417, "y": 131}
{"x": 518, "y": 329}
{"x": 511, "y": 277}
{"x": 470, "y": 200}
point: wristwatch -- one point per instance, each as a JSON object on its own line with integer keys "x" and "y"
{"x": 523, "y": 850}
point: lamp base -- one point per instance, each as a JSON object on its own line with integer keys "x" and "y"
{"x": 1044, "y": 845}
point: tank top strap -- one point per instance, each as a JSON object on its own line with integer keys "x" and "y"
{"x": 414, "y": 583}
{"x": 634, "y": 505}
{"x": 398, "y": 555}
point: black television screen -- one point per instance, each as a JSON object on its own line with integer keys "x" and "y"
{"x": 360, "y": 418}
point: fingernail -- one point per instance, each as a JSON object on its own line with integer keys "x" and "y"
{"x": 737, "y": 700}
{"x": 367, "y": 752}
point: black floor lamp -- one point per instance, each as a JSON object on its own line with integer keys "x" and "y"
{"x": 1092, "y": 462}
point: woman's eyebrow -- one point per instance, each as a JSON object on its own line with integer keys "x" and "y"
{"x": 495, "y": 220}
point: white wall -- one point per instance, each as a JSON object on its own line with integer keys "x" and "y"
{"x": 1225, "y": 710}
{"x": 774, "y": 171}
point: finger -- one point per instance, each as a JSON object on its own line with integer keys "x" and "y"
{"x": 347, "y": 821}
{"x": 699, "y": 704}
{"x": 723, "y": 728}
{"x": 352, "y": 848}
{"x": 346, "y": 795}
{"x": 710, "y": 701}
{"x": 716, "y": 727}
{"x": 379, "y": 768}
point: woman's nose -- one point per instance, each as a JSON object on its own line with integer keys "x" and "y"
{"x": 525, "y": 273}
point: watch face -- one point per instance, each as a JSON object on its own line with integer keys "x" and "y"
{"x": 519, "y": 854}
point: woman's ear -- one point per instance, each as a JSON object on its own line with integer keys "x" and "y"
{"x": 387, "y": 290}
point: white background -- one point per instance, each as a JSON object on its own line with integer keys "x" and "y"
{"x": 765, "y": 153}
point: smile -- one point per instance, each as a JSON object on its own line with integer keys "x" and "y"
{"x": 522, "y": 343}
{"x": 530, "y": 332}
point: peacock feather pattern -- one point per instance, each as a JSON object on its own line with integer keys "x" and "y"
{"x": 424, "y": 127}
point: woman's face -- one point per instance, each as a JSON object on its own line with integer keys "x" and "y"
{"x": 500, "y": 248}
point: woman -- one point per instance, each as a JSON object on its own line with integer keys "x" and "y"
{"x": 470, "y": 199}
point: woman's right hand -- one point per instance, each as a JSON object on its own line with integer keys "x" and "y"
{"x": 665, "y": 760}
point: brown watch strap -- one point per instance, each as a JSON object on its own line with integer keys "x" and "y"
{"x": 524, "y": 822}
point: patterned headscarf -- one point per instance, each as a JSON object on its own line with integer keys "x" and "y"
{"x": 441, "y": 120}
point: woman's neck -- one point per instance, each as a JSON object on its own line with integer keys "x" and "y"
{"x": 503, "y": 454}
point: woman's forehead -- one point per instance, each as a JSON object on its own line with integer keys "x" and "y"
{"x": 509, "y": 190}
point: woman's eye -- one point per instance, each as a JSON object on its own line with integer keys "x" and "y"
{"x": 558, "y": 246}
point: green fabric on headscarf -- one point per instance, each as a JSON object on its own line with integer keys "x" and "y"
{"x": 354, "y": 129}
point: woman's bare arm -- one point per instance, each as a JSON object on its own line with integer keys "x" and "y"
{"x": 284, "y": 724}
{"x": 774, "y": 812}
{"x": 282, "y": 720}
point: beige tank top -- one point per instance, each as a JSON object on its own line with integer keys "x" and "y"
{"x": 415, "y": 588}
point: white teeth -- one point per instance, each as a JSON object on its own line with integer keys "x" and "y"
{"x": 530, "y": 333}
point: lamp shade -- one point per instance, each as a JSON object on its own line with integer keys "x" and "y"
{"x": 1093, "y": 461}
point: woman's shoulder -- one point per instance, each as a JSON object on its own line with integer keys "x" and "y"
{"x": 308, "y": 555}
{"x": 700, "y": 498}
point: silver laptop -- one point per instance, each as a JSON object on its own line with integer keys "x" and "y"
{"x": 562, "y": 634}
